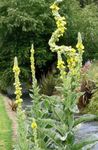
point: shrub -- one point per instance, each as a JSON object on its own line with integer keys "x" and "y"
{"x": 92, "y": 75}
{"x": 48, "y": 84}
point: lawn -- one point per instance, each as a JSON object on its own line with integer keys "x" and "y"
{"x": 5, "y": 128}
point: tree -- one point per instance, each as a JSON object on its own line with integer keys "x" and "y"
{"x": 23, "y": 22}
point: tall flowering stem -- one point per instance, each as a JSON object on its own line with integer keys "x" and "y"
{"x": 22, "y": 142}
{"x": 70, "y": 79}
{"x": 35, "y": 109}
{"x": 34, "y": 81}
{"x": 35, "y": 88}
{"x": 17, "y": 84}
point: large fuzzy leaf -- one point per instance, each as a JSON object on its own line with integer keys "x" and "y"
{"x": 84, "y": 144}
{"x": 85, "y": 118}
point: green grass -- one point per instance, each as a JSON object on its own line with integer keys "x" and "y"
{"x": 5, "y": 128}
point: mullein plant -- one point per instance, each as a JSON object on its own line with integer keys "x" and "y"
{"x": 35, "y": 111}
{"x": 70, "y": 83}
{"x": 22, "y": 143}
{"x": 35, "y": 88}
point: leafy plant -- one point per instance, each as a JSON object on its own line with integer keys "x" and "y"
{"x": 92, "y": 108}
{"x": 88, "y": 84}
{"x": 48, "y": 84}
{"x": 92, "y": 75}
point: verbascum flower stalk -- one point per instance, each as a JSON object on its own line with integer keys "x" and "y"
{"x": 69, "y": 52}
{"x": 22, "y": 130}
{"x": 80, "y": 48}
{"x": 70, "y": 79}
{"x": 73, "y": 58}
{"x": 60, "y": 22}
{"x": 80, "y": 45}
{"x": 35, "y": 87}
{"x": 34, "y": 81}
{"x": 17, "y": 84}
{"x": 35, "y": 99}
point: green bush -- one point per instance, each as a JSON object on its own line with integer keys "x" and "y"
{"x": 92, "y": 75}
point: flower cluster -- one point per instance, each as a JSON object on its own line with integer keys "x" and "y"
{"x": 79, "y": 45}
{"x": 54, "y": 7}
{"x": 34, "y": 124}
{"x": 60, "y": 22}
{"x": 61, "y": 65}
{"x": 32, "y": 63}
{"x": 17, "y": 84}
{"x": 72, "y": 60}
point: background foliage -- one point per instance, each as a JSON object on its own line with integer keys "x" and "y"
{"x": 31, "y": 21}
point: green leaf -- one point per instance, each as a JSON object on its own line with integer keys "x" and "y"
{"x": 83, "y": 143}
{"x": 85, "y": 118}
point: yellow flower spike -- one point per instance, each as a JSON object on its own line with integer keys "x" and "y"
{"x": 17, "y": 84}
{"x": 34, "y": 124}
{"x": 79, "y": 45}
{"x": 60, "y": 23}
{"x": 32, "y": 62}
{"x": 16, "y": 69}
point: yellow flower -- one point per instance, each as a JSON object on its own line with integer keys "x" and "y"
{"x": 33, "y": 125}
{"x": 19, "y": 101}
{"x": 73, "y": 50}
{"x": 80, "y": 46}
{"x": 54, "y": 7}
{"x": 18, "y": 91}
{"x": 60, "y": 64}
{"x": 60, "y": 22}
{"x": 62, "y": 30}
{"x": 71, "y": 61}
{"x": 16, "y": 69}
